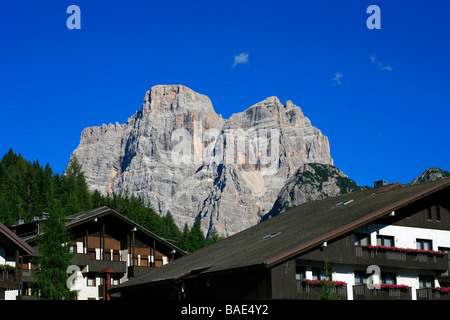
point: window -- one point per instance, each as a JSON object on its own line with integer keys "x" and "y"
{"x": 445, "y": 249}
{"x": 362, "y": 239}
{"x": 116, "y": 255}
{"x": 429, "y": 216}
{"x": 91, "y": 281}
{"x": 115, "y": 281}
{"x": 73, "y": 248}
{"x": 318, "y": 274}
{"x": 388, "y": 278}
{"x": 426, "y": 281}
{"x": 92, "y": 255}
{"x": 423, "y": 244}
{"x": 438, "y": 213}
{"x": 300, "y": 272}
{"x": 386, "y": 241}
{"x": 361, "y": 277}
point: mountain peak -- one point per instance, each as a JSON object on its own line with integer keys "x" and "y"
{"x": 431, "y": 174}
{"x": 225, "y": 172}
{"x": 173, "y": 98}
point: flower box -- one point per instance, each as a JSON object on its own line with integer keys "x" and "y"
{"x": 407, "y": 250}
{"x": 321, "y": 282}
{"x": 7, "y": 268}
{"x": 442, "y": 289}
{"x": 385, "y": 286}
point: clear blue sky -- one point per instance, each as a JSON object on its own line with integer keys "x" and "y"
{"x": 381, "y": 96}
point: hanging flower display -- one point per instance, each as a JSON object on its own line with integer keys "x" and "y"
{"x": 385, "y": 286}
{"x": 320, "y": 282}
{"x": 442, "y": 289}
{"x": 407, "y": 250}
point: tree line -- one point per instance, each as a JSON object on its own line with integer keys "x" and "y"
{"x": 28, "y": 189}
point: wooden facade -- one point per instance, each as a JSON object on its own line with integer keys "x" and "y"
{"x": 104, "y": 240}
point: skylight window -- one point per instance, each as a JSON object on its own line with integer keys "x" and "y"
{"x": 344, "y": 203}
{"x": 271, "y": 235}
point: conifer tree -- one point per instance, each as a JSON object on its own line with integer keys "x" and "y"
{"x": 213, "y": 237}
{"x": 196, "y": 238}
{"x": 75, "y": 189}
{"x": 53, "y": 258}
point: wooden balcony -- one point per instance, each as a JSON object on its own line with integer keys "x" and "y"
{"x": 431, "y": 294}
{"x": 409, "y": 260}
{"x": 82, "y": 259}
{"x": 362, "y": 292}
{"x": 309, "y": 292}
{"x": 9, "y": 281}
{"x": 136, "y": 271}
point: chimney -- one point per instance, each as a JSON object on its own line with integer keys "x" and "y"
{"x": 379, "y": 183}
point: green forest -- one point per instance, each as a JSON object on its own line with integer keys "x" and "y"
{"x": 28, "y": 189}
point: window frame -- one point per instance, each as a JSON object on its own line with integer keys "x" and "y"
{"x": 93, "y": 278}
{"x": 300, "y": 272}
{"x": 363, "y": 276}
{"x": 362, "y": 236}
{"x": 424, "y": 278}
{"x": 383, "y": 277}
{"x": 382, "y": 238}
{"x": 420, "y": 244}
{"x": 318, "y": 274}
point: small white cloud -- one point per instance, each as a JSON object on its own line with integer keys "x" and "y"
{"x": 241, "y": 58}
{"x": 384, "y": 68}
{"x": 381, "y": 66}
{"x": 337, "y": 78}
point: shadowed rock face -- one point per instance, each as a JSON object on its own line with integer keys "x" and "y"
{"x": 180, "y": 155}
{"x": 311, "y": 182}
{"x": 431, "y": 174}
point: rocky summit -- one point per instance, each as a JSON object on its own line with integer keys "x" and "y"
{"x": 311, "y": 182}
{"x": 431, "y": 174}
{"x": 179, "y": 155}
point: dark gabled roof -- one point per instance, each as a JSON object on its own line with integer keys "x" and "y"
{"x": 77, "y": 219}
{"x": 289, "y": 234}
{"x": 10, "y": 241}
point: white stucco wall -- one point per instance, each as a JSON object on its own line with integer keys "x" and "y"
{"x": 2, "y": 255}
{"x": 404, "y": 237}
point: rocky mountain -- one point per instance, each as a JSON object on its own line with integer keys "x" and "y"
{"x": 178, "y": 154}
{"x": 431, "y": 174}
{"x": 311, "y": 182}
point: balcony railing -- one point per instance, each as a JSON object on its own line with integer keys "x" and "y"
{"x": 432, "y": 294}
{"x": 362, "y": 292}
{"x": 392, "y": 258}
{"x": 312, "y": 292}
{"x": 9, "y": 281}
{"x": 82, "y": 259}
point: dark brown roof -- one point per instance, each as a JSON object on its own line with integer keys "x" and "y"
{"x": 80, "y": 218}
{"x": 10, "y": 241}
{"x": 291, "y": 233}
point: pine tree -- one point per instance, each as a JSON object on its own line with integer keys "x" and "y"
{"x": 171, "y": 230}
{"x": 213, "y": 237}
{"x": 196, "y": 238}
{"x": 53, "y": 258}
{"x": 74, "y": 187}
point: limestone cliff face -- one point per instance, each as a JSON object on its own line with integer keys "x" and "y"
{"x": 180, "y": 155}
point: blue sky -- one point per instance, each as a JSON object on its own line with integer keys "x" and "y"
{"x": 381, "y": 96}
